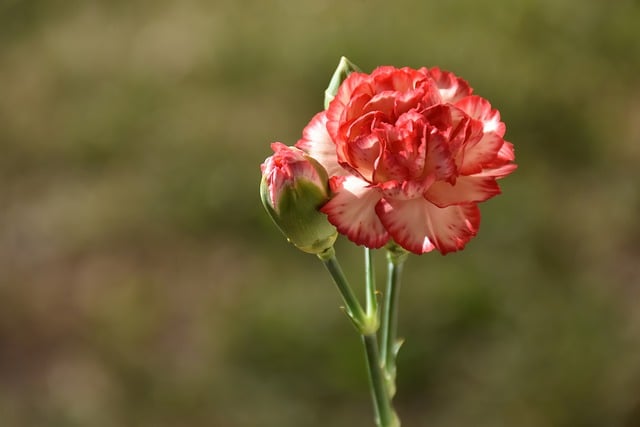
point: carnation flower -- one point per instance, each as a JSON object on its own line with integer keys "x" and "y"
{"x": 410, "y": 154}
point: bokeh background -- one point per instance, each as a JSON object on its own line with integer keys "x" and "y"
{"x": 141, "y": 283}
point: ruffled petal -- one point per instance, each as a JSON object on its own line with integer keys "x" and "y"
{"x": 467, "y": 189}
{"x": 480, "y": 109}
{"x": 317, "y": 143}
{"x": 474, "y": 157}
{"x": 506, "y": 152}
{"x": 439, "y": 161}
{"x": 352, "y": 211}
{"x": 499, "y": 171}
{"x": 382, "y": 103}
{"x": 337, "y": 107}
{"x": 451, "y": 87}
{"x": 360, "y": 155}
{"x": 404, "y": 149}
{"x": 420, "y": 226}
{"x": 387, "y": 77}
{"x": 502, "y": 165}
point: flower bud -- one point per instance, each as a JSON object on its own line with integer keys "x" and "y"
{"x": 345, "y": 67}
{"x": 293, "y": 188}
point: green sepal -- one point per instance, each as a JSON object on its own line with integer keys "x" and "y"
{"x": 297, "y": 215}
{"x": 396, "y": 347}
{"x": 352, "y": 318}
{"x": 345, "y": 67}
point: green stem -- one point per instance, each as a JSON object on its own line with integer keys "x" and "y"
{"x": 367, "y": 326}
{"x": 372, "y": 297}
{"x": 352, "y": 305}
{"x": 390, "y": 345}
{"x": 385, "y": 416}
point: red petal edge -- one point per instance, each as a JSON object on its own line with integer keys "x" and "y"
{"x": 352, "y": 211}
{"x": 467, "y": 189}
{"x": 420, "y": 226}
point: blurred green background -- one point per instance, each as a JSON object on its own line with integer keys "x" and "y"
{"x": 141, "y": 283}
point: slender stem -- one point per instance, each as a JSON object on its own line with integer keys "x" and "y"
{"x": 390, "y": 345}
{"x": 385, "y": 416}
{"x": 352, "y": 305}
{"x": 367, "y": 325}
{"x": 372, "y": 298}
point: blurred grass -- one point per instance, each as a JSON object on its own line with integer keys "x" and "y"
{"x": 141, "y": 283}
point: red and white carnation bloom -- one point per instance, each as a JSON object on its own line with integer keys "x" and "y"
{"x": 410, "y": 154}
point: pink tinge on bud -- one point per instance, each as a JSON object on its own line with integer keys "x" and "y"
{"x": 285, "y": 167}
{"x": 293, "y": 189}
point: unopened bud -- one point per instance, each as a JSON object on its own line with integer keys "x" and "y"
{"x": 293, "y": 188}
